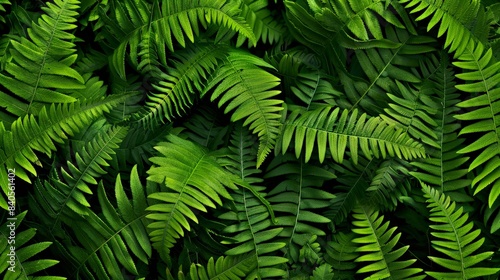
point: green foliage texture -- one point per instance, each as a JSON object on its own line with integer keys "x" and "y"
{"x": 250, "y": 139}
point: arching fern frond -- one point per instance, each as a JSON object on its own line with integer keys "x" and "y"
{"x": 455, "y": 239}
{"x": 414, "y": 111}
{"x": 229, "y": 268}
{"x": 176, "y": 22}
{"x": 482, "y": 73}
{"x": 297, "y": 202}
{"x": 383, "y": 67}
{"x": 18, "y": 263}
{"x": 41, "y": 65}
{"x": 266, "y": 28}
{"x": 244, "y": 86}
{"x": 115, "y": 240}
{"x": 54, "y": 124}
{"x": 178, "y": 87}
{"x": 329, "y": 128}
{"x": 257, "y": 235}
{"x": 463, "y": 21}
{"x": 183, "y": 167}
{"x": 377, "y": 246}
{"x": 63, "y": 197}
{"x": 341, "y": 255}
{"x": 444, "y": 167}
{"x": 2, "y": 8}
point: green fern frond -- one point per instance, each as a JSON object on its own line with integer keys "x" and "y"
{"x": 323, "y": 272}
{"x": 17, "y": 263}
{"x": 463, "y": 21}
{"x": 444, "y": 166}
{"x": 377, "y": 246}
{"x": 182, "y": 168}
{"x": 253, "y": 232}
{"x": 246, "y": 88}
{"x": 482, "y": 73}
{"x": 351, "y": 188}
{"x": 297, "y": 202}
{"x": 41, "y": 66}
{"x": 54, "y": 124}
{"x": 387, "y": 184}
{"x": 229, "y": 268}
{"x": 178, "y": 86}
{"x": 492, "y": 216}
{"x": 455, "y": 238}
{"x": 2, "y": 9}
{"x": 260, "y": 18}
{"x": 341, "y": 255}
{"x": 174, "y": 21}
{"x": 327, "y": 127}
{"x": 314, "y": 90}
{"x": 205, "y": 128}
{"x": 383, "y": 67}
{"x": 357, "y": 25}
{"x": 112, "y": 241}
{"x": 63, "y": 197}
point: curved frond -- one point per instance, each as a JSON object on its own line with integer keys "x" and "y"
{"x": 261, "y": 19}
{"x": 63, "y": 197}
{"x": 19, "y": 263}
{"x": 228, "y": 267}
{"x": 243, "y": 86}
{"x": 298, "y": 202}
{"x": 341, "y": 255}
{"x": 377, "y": 245}
{"x": 54, "y": 124}
{"x": 463, "y": 21}
{"x": 41, "y": 65}
{"x": 182, "y": 167}
{"x": 329, "y": 128}
{"x": 444, "y": 167}
{"x": 455, "y": 239}
{"x": 415, "y": 112}
{"x": 250, "y": 226}
{"x": 175, "y": 22}
{"x": 383, "y": 68}
{"x": 482, "y": 76}
{"x": 116, "y": 239}
{"x": 178, "y": 86}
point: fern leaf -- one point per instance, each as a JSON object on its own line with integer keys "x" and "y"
{"x": 260, "y": 18}
{"x": 229, "y": 267}
{"x": 341, "y": 255}
{"x": 444, "y": 166}
{"x": 183, "y": 167}
{"x": 54, "y": 124}
{"x": 111, "y": 241}
{"x": 176, "y": 91}
{"x": 297, "y": 203}
{"x": 65, "y": 196}
{"x": 17, "y": 263}
{"x": 246, "y": 88}
{"x": 327, "y": 128}
{"x": 383, "y": 68}
{"x": 41, "y": 66}
{"x": 377, "y": 245}
{"x": 455, "y": 238}
{"x": 176, "y": 22}
{"x": 482, "y": 74}
{"x": 464, "y": 22}
{"x": 411, "y": 113}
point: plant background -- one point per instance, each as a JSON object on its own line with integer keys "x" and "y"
{"x": 233, "y": 139}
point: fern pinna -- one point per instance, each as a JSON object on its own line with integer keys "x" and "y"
{"x": 250, "y": 139}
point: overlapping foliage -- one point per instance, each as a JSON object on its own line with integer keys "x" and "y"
{"x": 250, "y": 139}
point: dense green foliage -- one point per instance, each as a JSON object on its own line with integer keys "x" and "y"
{"x": 244, "y": 139}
